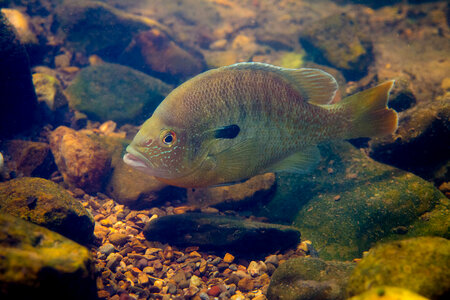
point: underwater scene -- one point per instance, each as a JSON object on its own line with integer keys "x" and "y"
{"x": 225, "y": 149}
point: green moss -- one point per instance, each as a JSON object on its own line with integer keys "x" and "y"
{"x": 388, "y": 293}
{"x": 421, "y": 265}
{"x": 292, "y": 60}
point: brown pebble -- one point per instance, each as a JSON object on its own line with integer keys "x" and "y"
{"x": 103, "y": 294}
{"x": 118, "y": 239}
{"x": 228, "y": 258}
{"x": 214, "y": 291}
{"x": 337, "y": 198}
{"x": 246, "y": 284}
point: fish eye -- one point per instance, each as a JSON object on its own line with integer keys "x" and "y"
{"x": 168, "y": 137}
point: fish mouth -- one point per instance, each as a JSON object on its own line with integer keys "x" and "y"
{"x": 136, "y": 160}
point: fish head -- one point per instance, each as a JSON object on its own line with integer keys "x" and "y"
{"x": 167, "y": 149}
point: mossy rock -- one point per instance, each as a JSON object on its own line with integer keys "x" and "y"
{"x": 45, "y": 203}
{"x": 37, "y": 263}
{"x": 421, "y": 265}
{"x": 336, "y": 40}
{"x": 388, "y": 293}
{"x": 114, "y": 92}
{"x": 309, "y": 278}
{"x": 350, "y": 202}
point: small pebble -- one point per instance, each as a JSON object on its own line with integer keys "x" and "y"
{"x": 106, "y": 249}
{"x": 228, "y": 258}
{"x": 246, "y": 284}
{"x": 118, "y": 239}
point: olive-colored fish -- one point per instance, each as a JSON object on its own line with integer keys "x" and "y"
{"x": 234, "y": 122}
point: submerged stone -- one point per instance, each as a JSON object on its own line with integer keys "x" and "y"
{"x": 222, "y": 233}
{"x": 93, "y": 27}
{"x": 113, "y": 92}
{"x": 388, "y": 293}
{"x": 336, "y": 40}
{"x": 37, "y": 263}
{"x": 44, "y": 203}
{"x": 18, "y": 100}
{"x": 350, "y": 202}
{"x": 421, "y": 265}
{"x": 306, "y": 278}
{"x": 421, "y": 142}
{"x": 81, "y": 160}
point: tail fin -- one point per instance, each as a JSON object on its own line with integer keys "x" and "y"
{"x": 370, "y": 116}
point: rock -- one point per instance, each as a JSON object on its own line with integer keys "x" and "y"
{"x": 421, "y": 265}
{"x": 118, "y": 239}
{"x": 237, "y": 196}
{"x": 30, "y": 158}
{"x": 154, "y": 53}
{"x": 18, "y": 100}
{"x": 51, "y": 98}
{"x": 221, "y": 233}
{"x": 113, "y": 92}
{"x": 374, "y": 200}
{"x": 130, "y": 187}
{"x": 39, "y": 263}
{"x": 44, "y": 203}
{"x": 97, "y": 28}
{"x": 106, "y": 249}
{"x": 21, "y": 24}
{"x": 388, "y": 293}
{"x": 421, "y": 142}
{"x": 310, "y": 278}
{"x": 246, "y": 284}
{"x": 336, "y": 40}
{"x": 81, "y": 160}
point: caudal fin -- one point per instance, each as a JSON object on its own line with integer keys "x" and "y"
{"x": 370, "y": 116}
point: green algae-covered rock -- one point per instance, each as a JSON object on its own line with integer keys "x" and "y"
{"x": 309, "y": 278}
{"x": 45, "y": 203}
{"x": 37, "y": 263}
{"x": 350, "y": 202}
{"x": 49, "y": 91}
{"x": 388, "y": 293}
{"x": 221, "y": 233}
{"x": 337, "y": 41}
{"x": 114, "y": 92}
{"x": 93, "y": 27}
{"x": 421, "y": 265}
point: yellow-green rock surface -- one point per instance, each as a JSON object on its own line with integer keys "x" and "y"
{"x": 37, "y": 263}
{"x": 45, "y": 203}
{"x": 421, "y": 265}
{"x": 388, "y": 293}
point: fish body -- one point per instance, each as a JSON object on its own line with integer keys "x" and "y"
{"x": 234, "y": 122}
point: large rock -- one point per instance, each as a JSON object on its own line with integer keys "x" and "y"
{"x": 337, "y": 41}
{"x": 253, "y": 191}
{"x": 221, "y": 233}
{"x": 388, "y": 293}
{"x": 350, "y": 202}
{"x": 310, "y": 278}
{"x": 45, "y": 203}
{"x": 30, "y": 158}
{"x": 153, "y": 52}
{"x": 17, "y": 101}
{"x": 81, "y": 160}
{"x": 421, "y": 144}
{"x": 421, "y": 265}
{"x": 93, "y": 27}
{"x": 114, "y": 92}
{"x": 37, "y": 263}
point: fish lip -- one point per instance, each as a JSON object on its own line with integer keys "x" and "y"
{"x": 136, "y": 159}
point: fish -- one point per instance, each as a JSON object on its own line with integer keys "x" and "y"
{"x": 234, "y": 122}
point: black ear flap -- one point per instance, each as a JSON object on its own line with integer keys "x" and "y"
{"x": 227, "y": 132}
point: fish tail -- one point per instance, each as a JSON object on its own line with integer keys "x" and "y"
{"x": 370, "y": 116}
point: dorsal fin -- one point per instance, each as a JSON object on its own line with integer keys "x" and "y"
{"x": 317, "y": 86}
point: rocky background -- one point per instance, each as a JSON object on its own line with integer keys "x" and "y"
{"x": 77, "y": 78}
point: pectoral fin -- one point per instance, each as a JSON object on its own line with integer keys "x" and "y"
{"x": 300, "y": 162}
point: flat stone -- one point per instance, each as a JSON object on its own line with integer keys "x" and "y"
{"x": 221, "y": 233}
{"x": 45, "y": 203}
{"x": 37, "y": 263}
{"x": 310, "y": 278}
{"x": 118, "y": 239}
